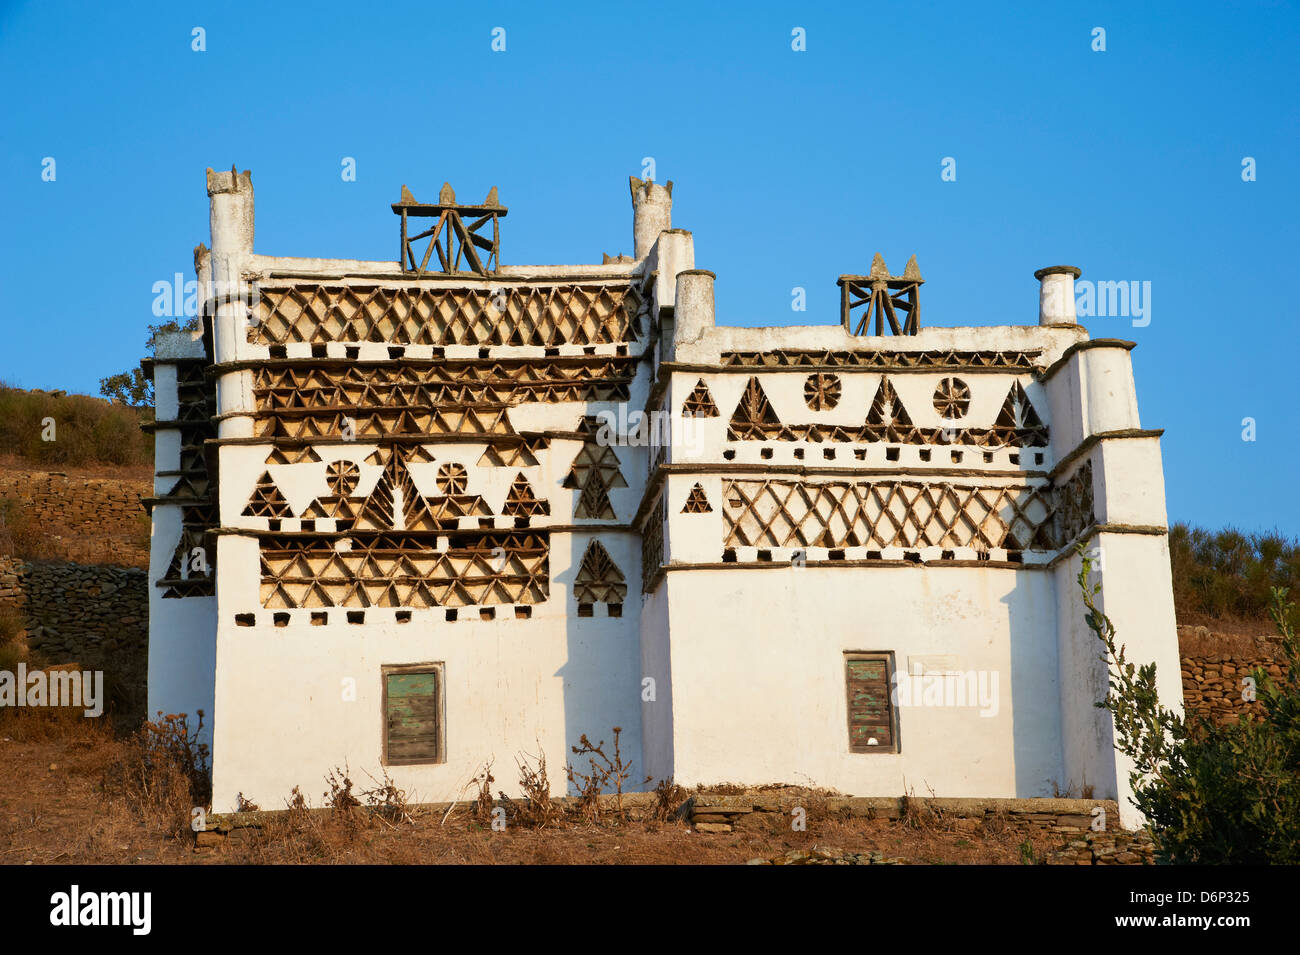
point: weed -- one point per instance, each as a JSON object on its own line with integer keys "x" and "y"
{"x": 537, "y": 810}
{"x": 385, "y": 801}
{"x": 244, "y": 805}
{"x": 483, "y": 803}
{"x": 668, "y": 799}
{"x": 340, "y": 798}
{"x": 163, "y": 772}
{"x": 603, "y": 768}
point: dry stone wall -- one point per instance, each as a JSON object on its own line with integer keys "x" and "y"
{"x": 1214, "y": 666}
{"x": 1063, "y": 827}
{"x": 89, "y": 519}
{"x": 96, "y": 616}
{"x": 74, "y": 501}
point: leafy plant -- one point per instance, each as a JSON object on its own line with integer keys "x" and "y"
{"x": 1212, "y": 794}
{"x": 131, "y": 387}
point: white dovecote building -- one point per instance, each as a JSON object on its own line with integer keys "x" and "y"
{"x": 419, "y": 514}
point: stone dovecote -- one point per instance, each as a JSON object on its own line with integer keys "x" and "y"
{"x": 562, "y": 498}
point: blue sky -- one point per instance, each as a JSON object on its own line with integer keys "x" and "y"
{"x": 791, "y": 168}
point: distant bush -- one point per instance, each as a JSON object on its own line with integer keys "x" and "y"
{"x": 86, "y": 431}
{"x": 1230, "y": 573}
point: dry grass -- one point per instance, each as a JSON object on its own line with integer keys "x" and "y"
{"x": 141, "y": 471}
{"x": 668, "y": 800}
{"x": 1222, "y": 579}
{"x": 1202, "y": 646}
{"x": 21, "y": 534}
{"x": 53, "y": 810}
{"x": 535, "y": 809}
{"x": 161, "y": 773}
{"x": 88, "y": 432}
{"x": 602, "y": 772}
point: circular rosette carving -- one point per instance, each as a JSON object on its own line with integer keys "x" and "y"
{"x": 822, "y": 392}
{"x": 342, "y": 477}
{"x": 952, "y": 398}
{"x": 453, "y": 478}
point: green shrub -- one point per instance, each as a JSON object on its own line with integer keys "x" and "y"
{"x": 1212, "y": 794}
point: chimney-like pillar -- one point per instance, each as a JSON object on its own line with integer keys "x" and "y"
{"x": 694, "y": 309}
{"x": 1056, "y": 295}
{"x": 230, "y": 210}
{"x": 652, "y": 213}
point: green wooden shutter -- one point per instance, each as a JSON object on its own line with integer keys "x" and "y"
{"x": 871, "y": 715}
{"x": 413, "y": 703}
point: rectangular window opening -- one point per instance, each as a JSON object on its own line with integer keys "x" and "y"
{"x": 414, "y": 714}
{"x": 873, "y": 726}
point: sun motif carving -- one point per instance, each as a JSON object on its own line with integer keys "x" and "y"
{"x": 453, "y": 478}
{"x": 952, "y": 398}
{"x": 342, "y": 477}
{"x": 822, "y": 392}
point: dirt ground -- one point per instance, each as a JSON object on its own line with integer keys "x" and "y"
{"x": 53, "y": 809}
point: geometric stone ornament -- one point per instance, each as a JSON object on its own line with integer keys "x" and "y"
{"x": 699, "y": 403}
{"x": 301, "y": 455}
{"x": 1075, "y": 503}
{"x": 887, "y": 420}
{"x": 598, "y": 579}
{"x": 952, "y": 398}
{"x": 452, "y": 478}
{"x": 522, "y": 502}
{"x": 753, "y": 417}
{"x": 266, "y": 500}
{"x": 397, "y": 570}
{"x": 286, "y": 386}
{"x": 652, "y": 542}
{"x": 342, "y": 477}
{"x": 822, "y": 391}
{"x": 508, "y": 456}
{"x": 594, "y": 471}
{"x": 878, "y": 514}
{"x": 883, "y": 360}
{"x": 697, "y": 502}
{"x": 567, "y": 314}
{"x": 381, "y": 510}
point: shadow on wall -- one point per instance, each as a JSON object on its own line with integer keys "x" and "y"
{"x": 1034, "y": 688}
{"x": 602, "y": 682}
